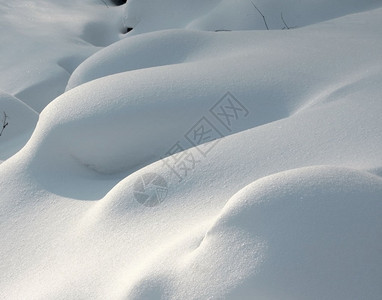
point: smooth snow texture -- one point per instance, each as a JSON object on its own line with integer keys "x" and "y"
{"x": 286, "y": 231}
{"x": 43, "y": 41}
{"x": 284, "y": 204}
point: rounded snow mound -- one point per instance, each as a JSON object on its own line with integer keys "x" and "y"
{"x": 308, "y": 233}
{"x": 139, "y": 52}
{"x": 151, "y": 15}
{"x": 17, "y": 121}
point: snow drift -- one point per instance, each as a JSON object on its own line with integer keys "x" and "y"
{"x": 182, "y": 163}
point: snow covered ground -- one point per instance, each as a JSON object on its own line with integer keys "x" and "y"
{"x": 198, "y": 156}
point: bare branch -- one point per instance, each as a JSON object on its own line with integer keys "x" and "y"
{"x": 104, "y": 2}
{"x": 5, "y": 123}
{"x": 286, "y": 25}
{"x": 265, "y": 21}
{"x": 282, "y": 18}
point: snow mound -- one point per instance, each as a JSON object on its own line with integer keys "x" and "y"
{"x": 319, "y": 225}
{"x": 301, "y": 234}
{"x": 21, "y": 120}
{"x": 38, "y": 36}
{"x": 276, "y": 54}
{"x": 138, "y": 52}
{"x": 151, "y": 15}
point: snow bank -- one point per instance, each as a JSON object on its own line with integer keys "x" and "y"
{"x": 302, "y": 234}
{"x": 43, "y": 41}
{"x": 280, "y": 53}
{"x": 151, "y": 15}
{"x": 20, "y": 120}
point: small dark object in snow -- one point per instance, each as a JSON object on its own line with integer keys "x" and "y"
{"x": 5, "y": 123}
{"x": 118, "y": 2}
{"x": 127, "y": 29}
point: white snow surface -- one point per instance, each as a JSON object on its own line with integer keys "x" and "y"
{"x": 181, "y": 162}
{"x": 43, "y": 41}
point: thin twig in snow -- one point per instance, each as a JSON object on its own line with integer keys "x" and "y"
{"x": 286, "y": 25}
{"x": 104, "y": 2}
{"x": 5, "y": 123}
{"x": 282, "y": 18}
{"x": 265, "y": 21}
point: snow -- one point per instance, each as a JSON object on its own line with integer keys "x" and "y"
{"x": 21, "y": 120}
{"x": 43, "y": 41}
{"x": 117, "y": 194}
{"x": 151, "y": 15}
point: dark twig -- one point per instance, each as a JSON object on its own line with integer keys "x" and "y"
{"x": 265, "y": 21}
{"x": 282, "y": 18}
{"x": 5, "y": 123}
{"x": 286, "y": 25}
{"x": 104, "y": 2}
